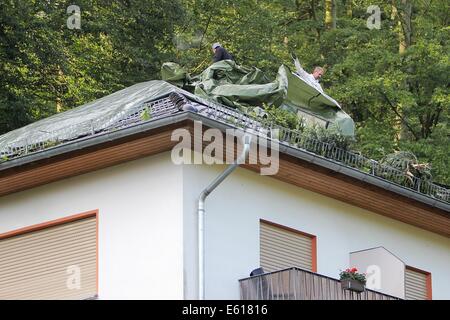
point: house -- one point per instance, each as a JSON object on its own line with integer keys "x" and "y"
{"x": 92, "y": 205}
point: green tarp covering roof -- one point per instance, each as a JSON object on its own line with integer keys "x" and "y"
{"x": 224, "y": 82}
{"x": 90, "y": 117}
{"x": 242, "y": 87}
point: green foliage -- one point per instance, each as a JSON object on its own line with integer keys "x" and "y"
{"x": 50, "y": 143}
{"x": 433, "y": 150}
{"x": 331, "y": 136}
{"x": 145, "y": 114}
{"x": 375, "y": 138}
{"x": 283, "y": 118}
{"x": 47, "y": 68}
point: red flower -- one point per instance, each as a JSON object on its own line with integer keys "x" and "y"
{"x": 352, "y": 273}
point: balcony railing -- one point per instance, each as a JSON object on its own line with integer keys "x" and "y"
{"x": 298, "y": 284}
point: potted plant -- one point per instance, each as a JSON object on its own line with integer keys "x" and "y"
{"x": 352, "y": 280}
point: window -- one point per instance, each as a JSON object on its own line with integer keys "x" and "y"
{"x": 54, "y": 260}
{"x": 417, "y": 284}
{"x": 282, "y": 247}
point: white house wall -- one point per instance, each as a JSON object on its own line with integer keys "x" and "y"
{"x": 140, "y": 223}
{"x": 233, "y": 211}
{"x": 148, "y": 227}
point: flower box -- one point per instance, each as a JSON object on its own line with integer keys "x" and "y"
{"x": 352, "y": 285}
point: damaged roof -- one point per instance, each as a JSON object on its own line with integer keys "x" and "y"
{"x": 146, "y": 104}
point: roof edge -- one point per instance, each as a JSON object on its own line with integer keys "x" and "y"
{"x": 301, "y": 154}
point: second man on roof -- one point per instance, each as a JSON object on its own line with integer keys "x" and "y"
{"x": 220, "y": 53}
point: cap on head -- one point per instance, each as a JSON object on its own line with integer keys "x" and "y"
{"x": 215, "y": 45}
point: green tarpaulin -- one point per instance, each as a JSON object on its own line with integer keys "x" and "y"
{"x": 242, "y": 87}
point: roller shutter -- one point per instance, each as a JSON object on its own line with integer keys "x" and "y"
{"x": 415, "y": 285}
{"x": 281, "y": 248}
{"x": 58, "y": 262}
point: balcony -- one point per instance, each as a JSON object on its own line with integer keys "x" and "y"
{"x": 299, "y": 284}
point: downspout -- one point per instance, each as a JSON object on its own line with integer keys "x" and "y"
{"x": 201, "y": 214}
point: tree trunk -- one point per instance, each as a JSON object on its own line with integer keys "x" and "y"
{"x": 404, "y": 16}
{"x": 394, "y": 10}
{"x": 334, "y": 11}
{"x": 407, "y": 22}
{"x": 329, "y": 14}
{"x": 349, "y": 8}
{"x": 60, "y": 81}
{"x": 313, "y": 10}
{"x": 312, "y": 14}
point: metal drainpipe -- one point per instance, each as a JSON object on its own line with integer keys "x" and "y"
{"x": 201, "y": 214}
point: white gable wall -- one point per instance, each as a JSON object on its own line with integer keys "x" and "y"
{"x": 140, "y": 223}
{"x": 233, "y": 211}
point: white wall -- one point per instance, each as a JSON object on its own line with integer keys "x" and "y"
{"x": 385, "y": 271}
{"x": 233, "y": 211}
{"x": 140, "y": 223}
{"x": 148, "y": 227}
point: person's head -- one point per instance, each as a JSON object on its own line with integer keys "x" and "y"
{"x": 318, "y": 73}
{"x": 215, "y": 46}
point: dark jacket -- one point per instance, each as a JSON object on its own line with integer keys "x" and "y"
{"x": 222, "y": 54}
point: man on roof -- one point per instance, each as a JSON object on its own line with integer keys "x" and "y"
{"x": 220, "y": 53}
{"x": 311, "y": 78}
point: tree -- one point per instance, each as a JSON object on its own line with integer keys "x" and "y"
{"x": 48, "y": 68}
